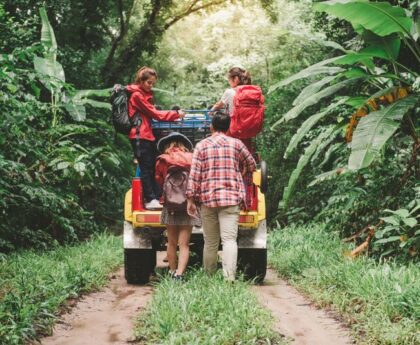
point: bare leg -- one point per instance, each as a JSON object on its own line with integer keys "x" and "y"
{"x": 184, "y": 235}
{"x": 172, "y": 246}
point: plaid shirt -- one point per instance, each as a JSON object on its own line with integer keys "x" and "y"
{"x": 216, "y": 171}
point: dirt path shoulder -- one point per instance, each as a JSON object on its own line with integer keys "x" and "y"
{"x": 103, "y": 317}
{"x": 296, "y": 317}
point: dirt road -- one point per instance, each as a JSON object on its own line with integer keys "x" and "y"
{"x": 106, "y": 317}
{"x": 296, "y": 317}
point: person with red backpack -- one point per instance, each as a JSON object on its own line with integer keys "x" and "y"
{"x": 244, "y": 103}
{"x": 172, "y": 170}
{"x": 141, "y": 136}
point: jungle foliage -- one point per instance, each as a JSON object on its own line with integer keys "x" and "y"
{"x": 341, "y": 134}
{"x": 360, "y": 129}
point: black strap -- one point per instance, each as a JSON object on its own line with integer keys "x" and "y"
{"x": 137, "y": 124}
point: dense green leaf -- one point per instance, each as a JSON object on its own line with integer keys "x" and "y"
{"x": 378, "y": 17}
{"x": 96, "y": 104}
{"x": 389, "y": 239}
{"x": 49, "y": 67}
{"x": 313, "y": 99}
{"x": 329, "y": 175}
{"x": 303, "y": 161}
{"x": 387, "y": 47}
{"x": 77, "y": 111}
{"x": 411, "y": 222}
{"x": 402, "y": 212}
{"x": 356, "y": 101}
{"x": 48, "y": 36}
{"x": 316, "y": 69}
{"x": 338, "y": 128}
{"x": 391, "y": 220}
{"x": 312, "y": 88}
{"x": 373, "y": 131}
{"x": 104, "y": 93}
{"x": 308, "y": 124}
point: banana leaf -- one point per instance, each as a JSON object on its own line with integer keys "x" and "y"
{"x": 329, "y": 175}
{"x": 312, "y": 88}
{"x": 53, "y": 69}
{"x": 48, "y": 36}
{"x": 303, "y": 161}
{"x": 339, "y": 127}
{"x": 316, "y": 69}
{"x": 313, "y": 99}
{"x": 103, "y": 93}
{"x": 308, "y": 125}
{"x": 77, "y": 111}
{"x": 374, "y": 130}
{"x": 379, "y": 17}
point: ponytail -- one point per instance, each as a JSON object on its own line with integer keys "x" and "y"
{"x": 243, "y": 75}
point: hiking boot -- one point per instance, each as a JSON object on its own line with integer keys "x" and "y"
{"x": 153, "y": 205}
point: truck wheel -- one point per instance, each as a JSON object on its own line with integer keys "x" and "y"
{"x": 264, "y": 177}
{"x": 253, "y": 263}
{"x": 138, "y": 265}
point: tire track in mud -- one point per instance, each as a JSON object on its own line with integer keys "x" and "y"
{"x": 107, "y": 316}
{"x": 296, "y": 317}
{"x": 103, "y": 317}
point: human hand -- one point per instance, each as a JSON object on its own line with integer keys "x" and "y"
{"x": 181, "y": 113}
{"x": 192, "y": 209}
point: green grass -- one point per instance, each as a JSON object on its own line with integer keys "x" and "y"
{"x": 34, "y": 286}
{"x": 379, "y": 300}
{"x": 204, "y": 310}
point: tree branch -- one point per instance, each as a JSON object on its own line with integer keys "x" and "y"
{"x": 192, "y": 9}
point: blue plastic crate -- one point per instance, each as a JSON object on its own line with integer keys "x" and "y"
{"x": 195, "y": 126}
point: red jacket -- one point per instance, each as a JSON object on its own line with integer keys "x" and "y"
{"x": 175, "y": 157}
{"x": 141, "y": 101}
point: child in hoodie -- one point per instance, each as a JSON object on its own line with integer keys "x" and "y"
{"x": 141, "y": 102}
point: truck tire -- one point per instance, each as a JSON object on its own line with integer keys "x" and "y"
{"x": 138, "y": 265}
{"x": 253, "y": 263}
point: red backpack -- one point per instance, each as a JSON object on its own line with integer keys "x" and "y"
{"x": 248, "y": 112}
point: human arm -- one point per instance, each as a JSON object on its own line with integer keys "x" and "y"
{"x": 224, "y": 101}
{"x": 192, "y": 208}
{"x": 194, "y": 179}
{"x": 147, "y": 108}
{"x": 246, "y": 161}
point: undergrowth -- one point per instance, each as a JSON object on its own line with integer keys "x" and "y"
{"x": 35, "y": 286}
{"x": 204, "y": 310}
{"x": 379, "y": 300}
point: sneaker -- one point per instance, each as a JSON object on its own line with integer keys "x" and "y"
{"x": 153, "y": 205}
{"x": 178, "y": 277}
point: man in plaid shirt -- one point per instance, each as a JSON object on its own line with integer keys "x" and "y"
{"x": 216, "y": 182}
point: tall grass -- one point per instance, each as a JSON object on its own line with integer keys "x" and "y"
{"x": 33, "y": 285}
{"x": 379, "y": 300}
{"x": 204, "y": 310}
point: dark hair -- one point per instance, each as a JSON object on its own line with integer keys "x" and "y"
{"x": 176, "y": 107}
{"x": 220, "y": 122}
{"x": 244, "y": 76}
{"x": 145, "y": 73}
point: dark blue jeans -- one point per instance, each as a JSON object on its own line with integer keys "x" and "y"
{"x": 146, "y": 154}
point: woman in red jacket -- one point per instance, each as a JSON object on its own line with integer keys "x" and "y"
{"x": 141, "y": 137}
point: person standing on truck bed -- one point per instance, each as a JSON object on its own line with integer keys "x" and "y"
{"x": 141, "y": 102}
{"x": 216, "y": 182}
